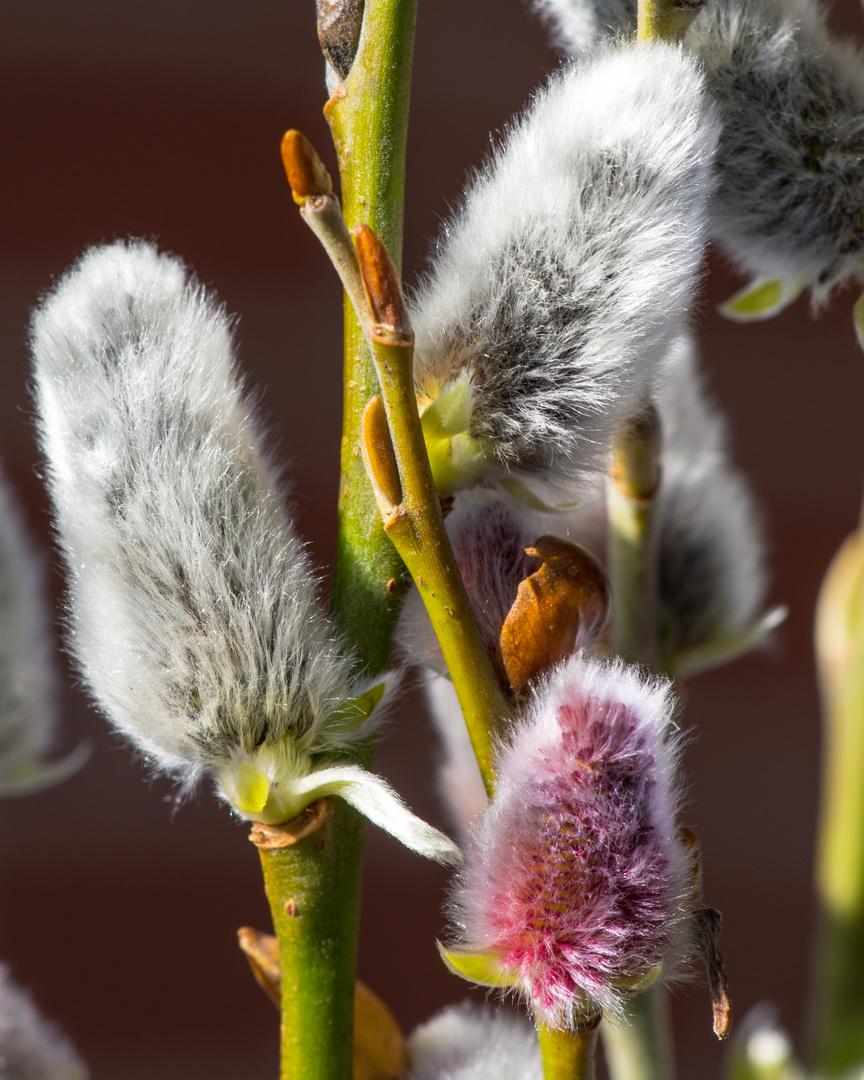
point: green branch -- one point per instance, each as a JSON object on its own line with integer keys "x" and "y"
{"x": 314, "y": 885}
{"x": 310, "y": 866}
{"x": 631, "y": 489}
{"x": 368, "y": 118}
{"x": 569, "y": 1055}
{"x": 398, "y": 465}
{"x": 640, "y": 1048}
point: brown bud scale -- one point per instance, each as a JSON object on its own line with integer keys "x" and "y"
{"x": 562, "y": 606}
{"x": 383, "y": 290}
{"x": 378, "y": 453}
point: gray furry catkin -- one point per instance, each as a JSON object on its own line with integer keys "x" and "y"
{"x": 466, "y": 1042}
{"x": 791, "y": 98}
{"x": 559, "y": 286}
{"x": 195, "y": 614}
{"x": 577, "y": 24}
{"x": 792, "y": 102}
{"x": 31, "y": 1047}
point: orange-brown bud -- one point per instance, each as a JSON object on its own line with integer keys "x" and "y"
{"x": 262, "y": 952}
{"x": 382, "y": 287}
{"x": 306, "y": 172}
{"x": 379, "y": 1045}
{"x": 378, "y": 454}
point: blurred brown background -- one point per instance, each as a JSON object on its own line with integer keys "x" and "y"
{"x": 162, "y": 119}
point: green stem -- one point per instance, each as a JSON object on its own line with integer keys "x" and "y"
{"x": 569, "y": 1055}
{"x": 416, "y": 527}
{"x": 307, "y": 884}
{"x": 397, "y": 461}
{"x": 324, "y": 217}
{"x": 369, "y": 123}
{"x": 318, "y": 944}
{"x": 837, "y": 1022}
{"x": 641, "y": 1048}
{"x": 632, "y": 572}
{"x": 632, "y": 542}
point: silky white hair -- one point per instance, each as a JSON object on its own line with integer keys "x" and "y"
{"x": 31, "y": 1048}
{"x": 465, "y": 1042}
{"x": 194, "y": 613}
{"x": 572, "y": 264}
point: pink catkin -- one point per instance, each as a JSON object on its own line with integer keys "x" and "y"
{"x": 576, "y": 879}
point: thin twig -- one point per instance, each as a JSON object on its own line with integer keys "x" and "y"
{"x": 414, "y": 522}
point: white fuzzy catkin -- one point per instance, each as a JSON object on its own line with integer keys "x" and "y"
{"x": 31, "y": 1048}
{"x": 792, "y": 102}
{"x": 791, "y": 99}
{"x": 195, "y": 615}
{"x": 469, "y": 1043}
{"x": 571, "y": 266}
{"x": 28, "y": 709}
{"x": 711, "y": 552}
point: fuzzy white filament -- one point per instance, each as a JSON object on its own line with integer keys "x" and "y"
{"x": 195, "y": 615}
{"x": 31, "y": 1048}
{"x": 571, "y": 267}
